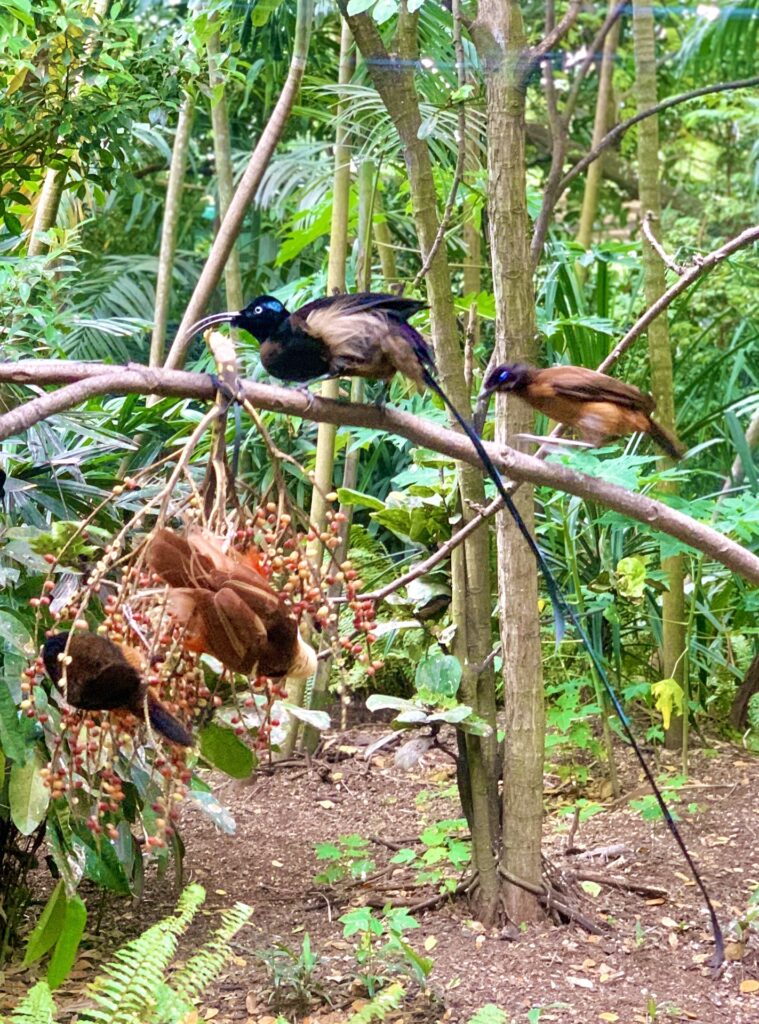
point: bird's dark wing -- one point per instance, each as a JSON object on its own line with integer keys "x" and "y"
{"x": 395, "y": 307}
{"x": 586, "y": 385}
{"x": 115, "y": 687}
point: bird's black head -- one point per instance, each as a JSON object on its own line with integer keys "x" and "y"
{"x": 54, "y": 645}
{"x": 261, "y": 317}
{"x": 505, "y": 378}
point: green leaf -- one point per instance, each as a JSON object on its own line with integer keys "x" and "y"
{"x": 381, "y": 702}
{"x": 591, "y": 888}
{"x": 668, "y": 695}
{"x": 29, "y": 796}
{"x": 359, "y": 6}
{"x": 67, "y": 945}
{"x": 226, "y": 751}
{"x": 316, "y": 719}
{"x": 48, "y": 928}
{"x": 101, "y": 863}
{"x": 347, "y": 496}
{"x": 631, "y": 577}
{"x": 12, "y": 738}
{"x": 452, "y": 715}
{"x": 439, "y": 673}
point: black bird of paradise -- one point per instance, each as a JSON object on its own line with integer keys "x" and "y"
{"x": 367, "y": 334}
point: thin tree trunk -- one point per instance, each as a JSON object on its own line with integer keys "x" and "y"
{"x": 394, "y": 80}
{"x": 327, "y": 432}
{"x": 500, "y": 38}
{"x": 660, "y": 355}
{"x": 384, "y": 240}
{"x": 246, "y": 190}
{"x": 46, "y": 212}
{"x": 604, "y": 113}
{"x": 172, "y": 213}
{"x": 223, "y": 159}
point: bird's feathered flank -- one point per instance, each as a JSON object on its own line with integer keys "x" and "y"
{"x": 366, "y": 335}
{"x": 597, "y": 405}
{"x": 228, "y": 609}
{"x": 104, "y": 676}
{"x": 586, "y": 385}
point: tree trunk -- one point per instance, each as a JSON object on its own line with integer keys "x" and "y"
{"x": 172, "y": 212}
{"x": 673, "y": 600}
{"x": 223, "y": 159}
{"x": 747, "y": 689}
{"x": 247, "y": 187}
{"x": 601, "y": 124}
{"x": 327, "y": 432}
{"x": 394, "y": 80}
{"x": 500, "y": 39}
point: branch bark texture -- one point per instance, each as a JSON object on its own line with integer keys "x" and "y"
{"x": 81, "y": 381}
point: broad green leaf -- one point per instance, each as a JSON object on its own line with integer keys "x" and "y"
{"x": 347, "y": 496}
{"x": 439, "y": 673}
{"x": 381, "y": 702}
{"x": 631, "y": 577}
{"x": 29, "y": 796}
{"x": 668, "y": 695}
{"x": 359, "y": 6}
{"x": 48, "y": 928}
{"x": 67, "y": 945}
{"x": 101, "y": 862}
{"x": 226, "y": 751}
{"x": 12, "y": 738}
{"x": 316, "y": 719}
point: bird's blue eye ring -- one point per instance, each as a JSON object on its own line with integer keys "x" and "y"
{"x": 504, "y": 375}
{"x": 258, "y": 310}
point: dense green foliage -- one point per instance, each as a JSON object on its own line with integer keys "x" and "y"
{"x": 98, "y": 98}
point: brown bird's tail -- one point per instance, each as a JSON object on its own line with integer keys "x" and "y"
{"x": 665, "y": 440}
{"x": 164, "y": 722}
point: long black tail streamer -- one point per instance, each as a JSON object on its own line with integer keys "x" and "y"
{"x": 559, "y": 601}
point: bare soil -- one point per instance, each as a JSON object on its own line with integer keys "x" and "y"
{"x": 650, "y": 963}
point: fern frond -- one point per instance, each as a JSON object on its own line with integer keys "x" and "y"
{"x": 126, "y": 990}
{"x": 37, "y": 1007}
{"x": 388, "y": 999}
{"x": 203, "y": 968}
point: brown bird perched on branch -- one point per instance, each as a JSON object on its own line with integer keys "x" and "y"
{"x": 598, "y": 406}
{"x": 228, "y": 608}
{"x": 104, "y": 676}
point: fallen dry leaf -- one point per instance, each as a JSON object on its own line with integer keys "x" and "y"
{"x": 749, "y": 985}
{"x": 607, "y": 1015}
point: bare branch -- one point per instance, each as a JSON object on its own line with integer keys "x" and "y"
{"x": 653, "y": 241}
{"x": 85, "y": 380}
{"x": 703, "y": 266}
{"x": 619, "y": 130}
{"x": 246, "y": 190}
{"x": 553, "y": 37}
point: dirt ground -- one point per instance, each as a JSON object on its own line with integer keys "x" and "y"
{"x": 649, "y": 965}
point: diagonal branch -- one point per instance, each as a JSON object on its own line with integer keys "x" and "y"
{"x": 247, "y": 188}
{"x": 85, "y": 380}
{"x": 619, "y": 130}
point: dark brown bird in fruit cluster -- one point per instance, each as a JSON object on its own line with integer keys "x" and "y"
{"x": 227, "y": 607}
{"x": 359, "y": 335}
{"x": 598, "y": 406}
{"x": 104, "y": 676}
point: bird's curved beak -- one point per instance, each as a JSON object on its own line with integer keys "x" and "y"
{"x": 199, "y": 326}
